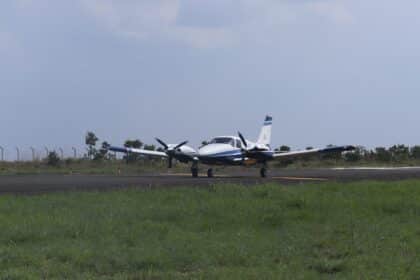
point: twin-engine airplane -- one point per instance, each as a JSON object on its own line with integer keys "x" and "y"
{"x": 229, "y": 150}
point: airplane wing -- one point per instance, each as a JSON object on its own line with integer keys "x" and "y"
{"x": 295, "y": 154}
{"x": 138, "y": 151}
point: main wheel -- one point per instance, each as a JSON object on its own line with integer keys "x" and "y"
{"x": 210, "y": 173}
{"x": 263, "y": 172}
{"x": 194, "y": 172}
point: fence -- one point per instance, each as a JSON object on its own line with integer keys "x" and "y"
{"x": 35, "y": 154}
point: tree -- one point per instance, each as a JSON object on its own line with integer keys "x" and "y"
{"x": 53, "y": 159}
{"x": 103, "y": 151}
{"x": 399, "y": 152}
{"x": 137, "y": 144}
{"x": 150, "y": 147}
{"x": 382, "y": 154}
{"x": 356, "y": 155}
{"x": 284, "y": 148}
{"x": 90, "y": 141}
{"x": 415, "y": 152}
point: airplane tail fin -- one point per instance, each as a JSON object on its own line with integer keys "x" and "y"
{"x": 265, "y": 134}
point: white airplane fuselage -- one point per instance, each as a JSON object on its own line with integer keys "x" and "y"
{"x": 227, "y": 150}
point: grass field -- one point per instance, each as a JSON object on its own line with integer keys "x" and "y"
{"x": 366, "y": 230}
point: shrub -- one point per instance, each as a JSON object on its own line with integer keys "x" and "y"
{"x": 53, "y": 159}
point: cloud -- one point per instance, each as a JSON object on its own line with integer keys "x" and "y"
{"x": 154, "y": 19}
{"x": 207, "y": 24}
{"x": 333, "y": 10}
{"x": 134, "y": 18}
{"x": 138, "y": 19}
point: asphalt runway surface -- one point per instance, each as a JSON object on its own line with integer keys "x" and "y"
{"x": 33, "y": 184}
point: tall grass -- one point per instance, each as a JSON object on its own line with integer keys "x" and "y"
{"x": 366, "y": 230}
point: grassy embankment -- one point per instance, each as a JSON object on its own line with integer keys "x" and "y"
{"x": 366, "y": 230}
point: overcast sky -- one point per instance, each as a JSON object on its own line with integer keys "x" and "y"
{"x": 328, "y": 71}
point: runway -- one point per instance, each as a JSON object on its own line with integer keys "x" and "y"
{"x": 32, "y": 184}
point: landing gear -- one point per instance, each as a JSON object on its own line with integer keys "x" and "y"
{"x": 263, "y": 171}
{"x": 194, "y": 169}
{"x": 210, "y": 173}
{"x": 194, "y": 172}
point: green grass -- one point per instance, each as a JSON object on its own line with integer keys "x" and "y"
{"x": 366, "y": 230}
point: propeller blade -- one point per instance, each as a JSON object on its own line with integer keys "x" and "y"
{"x": 162, "y": 143}
{"x": 243, "y": 140}
{"x": 180, "y": 145}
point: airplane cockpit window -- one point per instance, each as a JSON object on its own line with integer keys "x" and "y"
{"x": 223, "y": 140}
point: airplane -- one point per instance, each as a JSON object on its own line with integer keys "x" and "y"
{"x": 229, "y": 151}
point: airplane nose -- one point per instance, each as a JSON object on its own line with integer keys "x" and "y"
{"x": 214, "y": 150}
{"x": 204, "y": 151}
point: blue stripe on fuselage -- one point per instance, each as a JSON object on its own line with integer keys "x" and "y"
{"x": 235, "y": 157}
{"x": 236, "y": 152}
{"x": 228, "y": 157}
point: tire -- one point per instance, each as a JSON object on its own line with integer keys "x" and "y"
{"x": 210, "y": 173}
{"x": 263, "y": 173}
{"x": 194, "y": 172}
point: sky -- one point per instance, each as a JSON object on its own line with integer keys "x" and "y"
{"x": 328, "y": 71}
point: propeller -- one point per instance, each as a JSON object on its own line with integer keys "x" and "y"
{"x": 242, "y": 139}
{"x": 170, "y": 150}
{"x": 245, "y": 148}
{"x": 162, "y": 143}
{"x": 250, "y": 148}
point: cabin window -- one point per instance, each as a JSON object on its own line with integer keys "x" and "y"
{"x": 223, "y": 140}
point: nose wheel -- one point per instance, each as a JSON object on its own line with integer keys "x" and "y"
{"x": 194, "y": 169}
{"x": 210, "y": 173}
{"x": 263, "y": 171}
{"x": 194, "y": 172}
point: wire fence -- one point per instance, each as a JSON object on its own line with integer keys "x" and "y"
{"x": 18, "y": 154}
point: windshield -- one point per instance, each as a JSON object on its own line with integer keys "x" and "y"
{"x": 222, "y": 140}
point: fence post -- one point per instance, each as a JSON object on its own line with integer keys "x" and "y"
{"x": 17, "y": 154}
{"x": 33, "y": 153}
